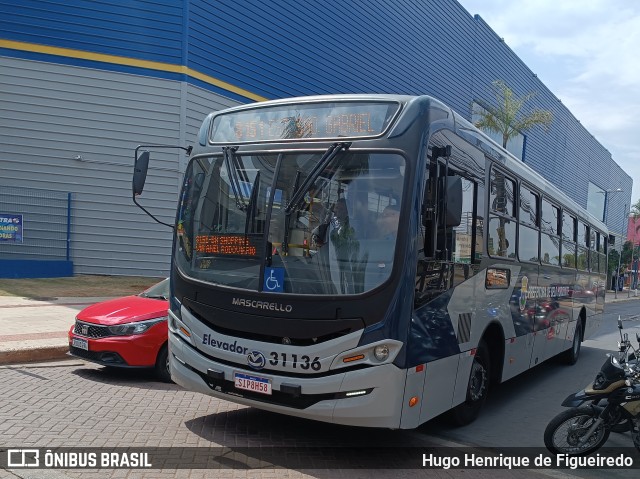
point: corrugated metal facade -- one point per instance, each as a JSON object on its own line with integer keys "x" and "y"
{"x": 92, "y": 79}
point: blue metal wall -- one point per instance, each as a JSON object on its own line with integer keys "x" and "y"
{"x": 142, "y": 29}
{"x": 285, "y": 48}
{"x": 252, "y": 49}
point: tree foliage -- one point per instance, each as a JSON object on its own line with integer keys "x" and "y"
{"x": 625, "y": 260}
{"x": 506, "y": 117}
{"x": 635, "y": 212}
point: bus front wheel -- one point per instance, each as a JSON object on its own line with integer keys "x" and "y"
{"x": 477, "y": 388}
{"x": 162, "y": 365}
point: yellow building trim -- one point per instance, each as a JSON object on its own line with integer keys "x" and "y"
{"x": 132, "y": 62}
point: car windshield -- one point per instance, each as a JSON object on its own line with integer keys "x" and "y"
{"x": 238, "y": 226}
{"x": 157, "y": 291}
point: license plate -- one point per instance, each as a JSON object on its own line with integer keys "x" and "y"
{"x": 80, "y": 343}
{"x": 249, "y": 382}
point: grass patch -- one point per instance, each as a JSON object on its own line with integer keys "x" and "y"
{"x": 79, "y": 286}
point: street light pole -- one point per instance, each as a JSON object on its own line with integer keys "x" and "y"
{"x": 605, "y": 218}
{"x": 635, "y": 264}
{"x": 620, "y": 257}
{"x": 632, "y": 253}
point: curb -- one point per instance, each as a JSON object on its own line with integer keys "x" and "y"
{"x": 45, "y": 353}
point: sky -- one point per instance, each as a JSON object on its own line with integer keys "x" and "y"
{"x": 587, "y": 52}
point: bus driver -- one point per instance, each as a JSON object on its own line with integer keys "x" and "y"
{"x": 388, "y": 222}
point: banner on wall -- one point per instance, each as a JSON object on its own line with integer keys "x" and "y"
{"x": 10, "y": 228}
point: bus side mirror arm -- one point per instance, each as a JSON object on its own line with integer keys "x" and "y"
{"x": 140, "y": 167}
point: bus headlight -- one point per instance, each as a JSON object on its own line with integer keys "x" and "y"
{"x": 381, "y": 352}
{"x": 375, "y": 354}
{"x": 178, "y": 327}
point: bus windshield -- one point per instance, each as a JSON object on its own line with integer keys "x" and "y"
{"x": 238, "y": 227}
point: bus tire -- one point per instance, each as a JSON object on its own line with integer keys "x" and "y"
{"x": 477, "y": 388}
{"x": 570, "y": 356}
{"x": 162, "y": 365}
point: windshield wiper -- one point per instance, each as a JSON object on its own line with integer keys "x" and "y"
{"x": 252, "y": 209}
{"x": 326, "y": 159}
{"x": 231, "y": 164}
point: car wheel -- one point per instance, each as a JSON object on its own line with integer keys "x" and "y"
{"x": 162, "y": 365}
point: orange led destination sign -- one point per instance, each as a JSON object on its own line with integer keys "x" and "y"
{"x": 238, "y": 245}
{"x": 304, "y": 121}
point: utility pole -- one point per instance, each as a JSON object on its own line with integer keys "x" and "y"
{"x": 635, "y": 264}
{"x": 605, "y": 217}
{"x": 620, "y": 255}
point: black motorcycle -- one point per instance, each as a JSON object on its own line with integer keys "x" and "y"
{"x": 611, "y": 403}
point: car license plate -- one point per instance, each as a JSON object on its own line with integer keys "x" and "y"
{"x": 249, "y": 382}
{"x": 80, "y": 343}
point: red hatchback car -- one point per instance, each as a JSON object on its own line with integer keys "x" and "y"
{"x": 129, "y": 332}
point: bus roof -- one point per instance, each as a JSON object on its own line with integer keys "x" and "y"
{"x": 522, "y": 170}
{"x": 462, "y": 126}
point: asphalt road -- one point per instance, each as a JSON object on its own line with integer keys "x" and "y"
{"x": 518, "y": 410}
{"x": 80, "y": 405}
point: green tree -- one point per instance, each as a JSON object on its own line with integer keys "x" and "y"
{"x": 635, "y": 212}
{"x": 612, "y": 263}
{"x": 614, "y": 259}
{"x": 627, "y": 254}
{"x": 506, "y": 117}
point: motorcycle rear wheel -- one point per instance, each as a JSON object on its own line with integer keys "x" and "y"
{"x": 564, "y": 432}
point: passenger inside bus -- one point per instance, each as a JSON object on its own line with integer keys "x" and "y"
{"x": 388, "y": 222}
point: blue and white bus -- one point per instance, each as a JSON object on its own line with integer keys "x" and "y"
{"x": 371, "y": 260}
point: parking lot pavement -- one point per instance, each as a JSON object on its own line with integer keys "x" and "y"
{"x": 80, "y": 405}
{"x": 36, "y": 329}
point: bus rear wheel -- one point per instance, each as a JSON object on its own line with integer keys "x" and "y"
{"x": 571, "y": 356}
{"x": 477, "y": 388}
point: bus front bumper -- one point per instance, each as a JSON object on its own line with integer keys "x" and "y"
{"x": 370, "y": 397}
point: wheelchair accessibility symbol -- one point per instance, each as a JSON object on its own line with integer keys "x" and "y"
{"x": 274, "y": 280}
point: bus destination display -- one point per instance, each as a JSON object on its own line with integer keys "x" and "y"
{"x": 313, "y": 120}
{"x": 236, "y": 245}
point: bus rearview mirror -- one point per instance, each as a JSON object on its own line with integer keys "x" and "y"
{"x": 453, "y": 215}
{"x": 140, "y": 173}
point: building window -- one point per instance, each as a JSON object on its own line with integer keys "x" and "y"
{"x": 596, "y": 198}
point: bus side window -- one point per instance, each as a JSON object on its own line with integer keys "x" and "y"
{"x": 568, "y": 240}
{"x": 583, "y": 246}
{"x": 502, "y": 224}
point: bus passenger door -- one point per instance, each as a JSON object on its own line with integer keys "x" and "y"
{"x": 441, "y": 213}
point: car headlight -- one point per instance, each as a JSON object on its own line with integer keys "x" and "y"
{"x": 139, "y": 327}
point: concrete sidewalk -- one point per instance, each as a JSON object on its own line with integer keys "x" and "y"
{"x": 36, "y": 330}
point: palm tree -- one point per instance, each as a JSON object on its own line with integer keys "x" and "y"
{"x": 506, "y": 117}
